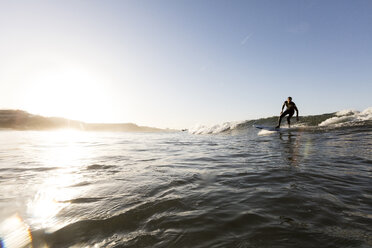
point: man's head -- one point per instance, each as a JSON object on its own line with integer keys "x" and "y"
{"x": 289, "y": 99}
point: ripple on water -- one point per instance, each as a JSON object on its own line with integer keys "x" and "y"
{"x": 305, "y": 189}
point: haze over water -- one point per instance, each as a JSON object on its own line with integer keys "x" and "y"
{"x": 303, "y": 187}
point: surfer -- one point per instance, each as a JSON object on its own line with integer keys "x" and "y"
{"x": 291, "y": 107}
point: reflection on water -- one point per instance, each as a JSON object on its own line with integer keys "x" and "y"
{"x": 14, "y": 233}
{"x": 62, "y": 150}
{"x": 51, "y": 198}
{"x": 291, "y": 147}
{"x": 178, "y": 190}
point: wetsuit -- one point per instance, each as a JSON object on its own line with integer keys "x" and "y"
{"x": 291, "y": 107}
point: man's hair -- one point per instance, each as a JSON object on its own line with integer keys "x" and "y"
{"x": 290, "y": 98}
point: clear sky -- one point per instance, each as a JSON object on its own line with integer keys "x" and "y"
{"x": 178, "y": 63}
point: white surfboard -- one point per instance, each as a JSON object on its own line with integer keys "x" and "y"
{"x": 270, "y": 128}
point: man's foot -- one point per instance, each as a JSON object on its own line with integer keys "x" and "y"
{"x": 277, "y": 126}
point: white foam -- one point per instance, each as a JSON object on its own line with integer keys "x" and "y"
{"x": 347, "y": 112}
{"x": 347, "y": 117}
{"x": 366, "y": 114}
{"x": 204, "y": 129}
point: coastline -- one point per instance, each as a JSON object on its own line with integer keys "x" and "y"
{"x": 23, "y": 121}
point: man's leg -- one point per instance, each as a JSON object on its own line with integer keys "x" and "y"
{"x": 289, "y": 118}
{"x": 281, "y": 117}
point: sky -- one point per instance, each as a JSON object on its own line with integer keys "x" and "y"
{"x": 180, "y": 63}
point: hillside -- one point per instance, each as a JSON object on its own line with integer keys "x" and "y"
{"x": 22, "y": 120}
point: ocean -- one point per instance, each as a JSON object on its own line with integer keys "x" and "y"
{"x": 228, "y": 185}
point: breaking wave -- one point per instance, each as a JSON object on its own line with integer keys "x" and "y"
{"x": 343, "y": 118}
{"x": 348, "y": 117}
{"x": 219, "y": 128}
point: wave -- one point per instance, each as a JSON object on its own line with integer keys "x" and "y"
{"x": 219, "y": 128}
{"x": 348, "y": 118}
{"x": 83, "y": 200}
{"x": 93, "y": 230}
{"x": 99, "y": 167}
{"x": 343, "y": 118}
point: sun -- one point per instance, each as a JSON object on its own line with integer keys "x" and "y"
{"x": 71, "y": 91}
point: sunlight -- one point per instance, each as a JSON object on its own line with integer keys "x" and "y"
{"x": 72, "y": 92}
{"x": 14, "y": 233}
{"x": 63, "y": 150}
{"x": 68, "y": 152}
{"x": 47, "y": 203}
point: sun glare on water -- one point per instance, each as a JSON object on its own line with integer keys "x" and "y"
{"x": 63, "y": 156}
{"x": 64, "y": 151}
{"x": 14, "y": 233}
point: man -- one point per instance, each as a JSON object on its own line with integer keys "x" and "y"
{"x": 291, "y": 107}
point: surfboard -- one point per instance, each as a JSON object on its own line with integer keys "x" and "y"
{"x": 270, "y": 128}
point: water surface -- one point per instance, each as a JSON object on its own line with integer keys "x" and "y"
{"x": 298, "y": 188}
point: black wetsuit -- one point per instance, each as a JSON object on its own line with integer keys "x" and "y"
{"x": 291, "y": 107}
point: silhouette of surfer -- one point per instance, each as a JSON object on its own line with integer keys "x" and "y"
{"x": 291, "y": 107}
